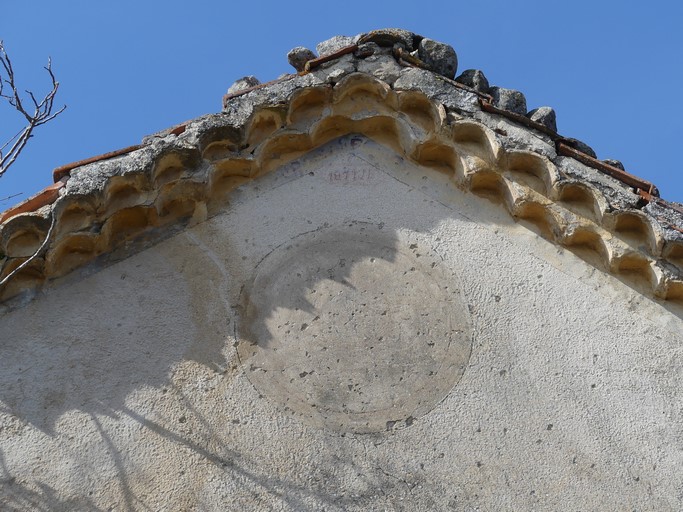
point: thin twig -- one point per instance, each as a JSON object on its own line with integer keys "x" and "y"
{"x": 38, "y": 252}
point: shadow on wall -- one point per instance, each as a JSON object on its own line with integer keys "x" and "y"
{"x": 118, "y": 335}
{"x": 110, "y": 333}
{"x": 311, "y": 271}
{"x": 127, "y": 334}
{"x": 118, "y": 332}
{"x": 323, "y": 491}
{"x": 80, "y": 368}
{"x": 17, "y": 496}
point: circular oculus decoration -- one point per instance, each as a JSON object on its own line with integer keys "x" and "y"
{"x": 353, "y": 330}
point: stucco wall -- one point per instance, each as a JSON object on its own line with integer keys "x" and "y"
{"x": 352, "y": 333}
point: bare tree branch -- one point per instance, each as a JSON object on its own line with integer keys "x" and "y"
{"x": 42, "y": 110}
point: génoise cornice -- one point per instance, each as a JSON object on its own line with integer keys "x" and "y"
{"x": 392, "y": 86}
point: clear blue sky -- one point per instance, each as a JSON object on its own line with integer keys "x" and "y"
{"x": 612, "y": 71}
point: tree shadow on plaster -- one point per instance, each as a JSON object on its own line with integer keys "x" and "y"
{"x": 97, "y": 351}
{"x": 309, "y": 279}
{"x": 18, "y": 496}
{"x": 107, "y": 339}
{"x": 324, "y": 483}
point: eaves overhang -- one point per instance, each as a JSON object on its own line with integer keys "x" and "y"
{"x": 376, "y": 88}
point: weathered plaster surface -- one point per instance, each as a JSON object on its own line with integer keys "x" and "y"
{"x": 554, "y": 385}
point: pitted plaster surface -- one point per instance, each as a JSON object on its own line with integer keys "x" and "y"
{"x": 128, "y": 389}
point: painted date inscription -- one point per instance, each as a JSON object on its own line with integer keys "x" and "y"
{"x": 363, "y": 176}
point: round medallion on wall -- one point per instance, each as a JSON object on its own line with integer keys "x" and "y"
{"x": 354, "y": 330}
